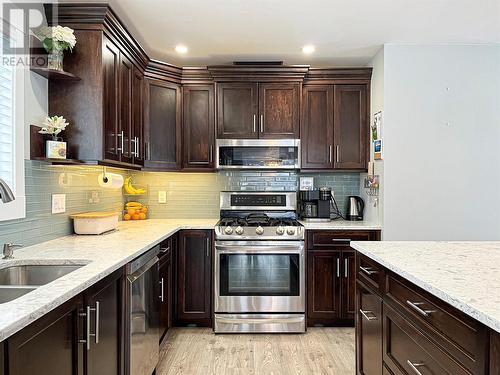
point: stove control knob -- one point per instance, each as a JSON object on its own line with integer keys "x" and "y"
{"x": 228, "y": 230}
{"x": 280, "y": 230}
{"x": 259, "y": 230}
{"x": 290, "y": 231}
{"x": 239, "y": 230}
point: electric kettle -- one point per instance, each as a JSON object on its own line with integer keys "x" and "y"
{"x": 355, "y": 208}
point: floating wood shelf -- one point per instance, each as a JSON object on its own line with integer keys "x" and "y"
{"x": 61, "y": 161}
{"x": 55, "y": 74}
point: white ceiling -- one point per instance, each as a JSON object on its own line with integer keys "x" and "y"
{"x": 345, "y": 32}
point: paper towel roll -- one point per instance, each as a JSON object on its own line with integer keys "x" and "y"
{"x": 112, "y": 180}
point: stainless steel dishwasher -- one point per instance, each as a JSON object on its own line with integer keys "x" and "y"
{"x": 143, "y": 313}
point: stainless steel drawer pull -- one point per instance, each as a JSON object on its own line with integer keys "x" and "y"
{"x": 368, "y": 271}
{"x": 368, "y": 315}
{"x": 88, "y": 334}
{"x": 341, "y": 240}
{"x": 416, "y": 306}
{"x": 414, "y": 366}
{"x": 162, "y": 295}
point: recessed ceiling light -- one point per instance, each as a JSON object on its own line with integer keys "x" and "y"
{"x": 308, "y": 49}
{"x": 181, "y": 49}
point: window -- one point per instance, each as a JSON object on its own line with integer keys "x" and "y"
{"x": 12, "y": 135}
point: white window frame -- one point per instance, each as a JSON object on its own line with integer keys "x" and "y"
{"x": 17, "y": 208}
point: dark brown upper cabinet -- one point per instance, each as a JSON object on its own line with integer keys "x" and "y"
{"x": 279, "y": 110}
{"x": 350, "y": 130}
{"x": 335, "y": 131}
{"x": 198, "y": 127}
{"x": 258, "y": 110}
{"x": 237, "y": 110}
{"x": 138, "y": 145}
{"x": 125, "y": 130}
{"x": 110, "y": 66}
{"x": 162, "y": 125}
{"x": 317, "y": 127}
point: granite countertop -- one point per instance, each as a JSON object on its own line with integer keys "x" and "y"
{"x": 463, "y": 274}
{"x": 101, "y": 255}
{"x": 340, "y": 225}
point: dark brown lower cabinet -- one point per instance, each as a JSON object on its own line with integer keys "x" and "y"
{"x": 51, "y": 344}
{"x": 194, "y": 280}
{"x": 331, "y": 287}
{"x": 63, "y": 343}
{"x": 104, "y": 303}
{"x": 166, "y": 292}
{"x": 368, "y": 332}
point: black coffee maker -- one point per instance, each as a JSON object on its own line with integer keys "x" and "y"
{"x": 314, "y": 205}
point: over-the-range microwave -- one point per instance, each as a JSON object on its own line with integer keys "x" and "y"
{"x": 257, "y": 154}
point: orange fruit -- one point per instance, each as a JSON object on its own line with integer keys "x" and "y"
{"x": 130, "y": 211}
{"x": 126, "y": 217}
{"x": 138, "y": 211}
{"x": 135, "y": 217}
{"x": 144, "y": 209}
{"x": 142, "y": 216}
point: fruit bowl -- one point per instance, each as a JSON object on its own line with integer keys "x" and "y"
{"x": 135, "y": 211}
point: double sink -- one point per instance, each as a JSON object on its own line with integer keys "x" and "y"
{"x": 17, "y": 280}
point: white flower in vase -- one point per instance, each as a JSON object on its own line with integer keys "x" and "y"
{"x": 54, "y": 126}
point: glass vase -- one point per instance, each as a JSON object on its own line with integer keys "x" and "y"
{"x": 55, "y": 60}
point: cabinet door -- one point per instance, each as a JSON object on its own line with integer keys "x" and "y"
{"x": 279, "y": 110}
{"x": 165, "y": 294}
{"x": 104, "y": 354}
{"x": 50, "y": 345}
{"x": 194, "y": 277}
{"x": 317, "y": 127}
{"x": 323, "y": 286}
{"x": 125, "y": 106}
{"x": 110, "y": 64}
{"x": 199, "y": 126}
{"x": 348, "y": 284}
{"x": 350, "y": 129}
{"x": 138, "y": 117}
{"x": 237, "y": 107}
{"x": 163, "y": 125}
{"x": 368, "y": 332}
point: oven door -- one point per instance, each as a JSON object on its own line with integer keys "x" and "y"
{"x": 259, "y": 276}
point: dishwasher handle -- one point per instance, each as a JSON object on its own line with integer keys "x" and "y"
{"x": 141, "y": 271}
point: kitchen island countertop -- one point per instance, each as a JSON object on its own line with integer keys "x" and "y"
{"x": 462, "y": 274}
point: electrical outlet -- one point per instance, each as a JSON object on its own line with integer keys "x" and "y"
{"x": 162, "y": 196}
{"x": 58, "y": 203}
{"x": 95, "y": 197}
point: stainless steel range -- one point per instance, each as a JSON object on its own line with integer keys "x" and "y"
{"x": 259, "y": 264}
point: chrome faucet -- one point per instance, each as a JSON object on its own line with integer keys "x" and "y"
{"x": 5, "y": 193}
{"x": 8, "y": 250}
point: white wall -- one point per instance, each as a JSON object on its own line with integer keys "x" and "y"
{"x": 373, "y": 205}
{"x": 442, "y": 142}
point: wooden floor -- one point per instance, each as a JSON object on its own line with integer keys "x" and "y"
{"x": 200, "y": 351}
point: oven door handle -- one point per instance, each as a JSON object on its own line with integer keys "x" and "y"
{"x": 224, "y": 249}
{"x": 260, "y": 320}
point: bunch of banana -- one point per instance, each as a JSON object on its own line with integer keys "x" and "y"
{"x": 129, "y": 189}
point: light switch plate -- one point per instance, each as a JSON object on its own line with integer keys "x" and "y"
{"x": 162, "y": 196}
{"x": 58, "y": 203}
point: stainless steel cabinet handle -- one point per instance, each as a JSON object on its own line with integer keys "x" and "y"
{"x": 211, "y": 153}
{"x": 414, "y": 366}
{"x": 338, "y": 267}
{"x": 208, "y": 247}
{"x": 415, "y": 306}
{"x": 341, "y": 240}
{"x": 346, "y": 267}
{"x": 164, "y": 250}
{"x": 330, "y": 153}
{"x": 162, "y": 295}
{"x": 122, "y": 142}
{"x": 138, "y": 144}
{"x": 368, "y": 271}
{"x": 262, "y": 123}
{"x": 368, "y": 315}
{"x": 97, "y": 321}
{"x": 254, "y": 123}
{"x": 97, "y": 318}
{"x": 337, "y": 152}
{"x": 148, "y": 150}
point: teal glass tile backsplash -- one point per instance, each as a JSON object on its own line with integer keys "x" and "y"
{"x": 43, "y": 180}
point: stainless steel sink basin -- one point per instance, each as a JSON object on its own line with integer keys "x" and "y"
{"x": 10, "y": 293}
{"x": 34, "y": 274}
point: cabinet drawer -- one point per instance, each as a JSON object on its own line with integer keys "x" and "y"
{"x": 407, "y": 350}
{"x": 461, "y": 336}
{"x": 331, "y": 238}
{"x": 369, "y": 272}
